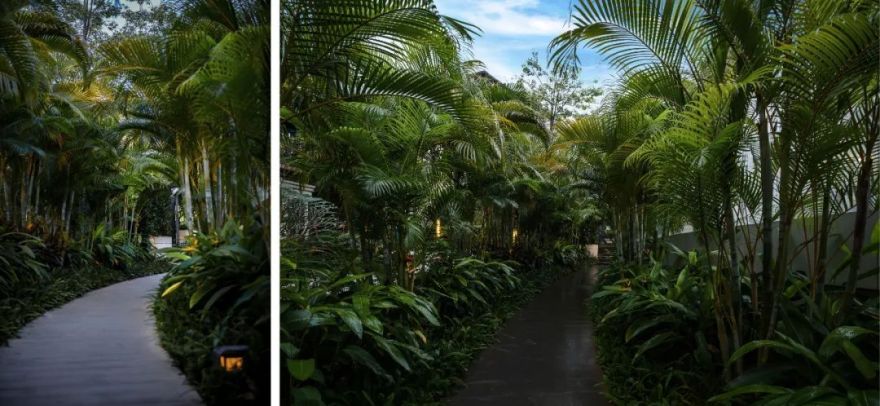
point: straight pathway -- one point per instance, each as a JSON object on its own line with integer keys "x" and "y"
{"x": 544, "y": 356}
{"x": 100, "y": 349}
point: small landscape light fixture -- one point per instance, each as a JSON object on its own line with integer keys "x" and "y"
{"x": 438, "y": 228}
{"x": 231, "y": 357}
{"x": 514, "y": 234}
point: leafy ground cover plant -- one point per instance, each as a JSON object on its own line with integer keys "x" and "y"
{"x": 652, "y": 331}
{"x": 216, "y": 294}
{"x": 348, "y": 338}
{"x": 655, "y": 334}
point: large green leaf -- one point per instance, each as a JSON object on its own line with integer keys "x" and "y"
{"x": 301, "y": 369}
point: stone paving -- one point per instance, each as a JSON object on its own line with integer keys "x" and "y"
{"x": 545, "y": 354}
{"x": 100, "y": 349}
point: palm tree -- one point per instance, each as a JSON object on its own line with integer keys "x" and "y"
{"x": 723, "y": 71}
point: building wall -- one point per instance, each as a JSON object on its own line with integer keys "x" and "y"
{"x": 841, "y": 233}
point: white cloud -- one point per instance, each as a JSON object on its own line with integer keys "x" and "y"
{"x": 511, "y": 17}
{"x": 512, "y": 29}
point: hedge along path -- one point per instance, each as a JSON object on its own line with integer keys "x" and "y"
{"x": 544, "y": 355}
{"x": 100, "y": 349}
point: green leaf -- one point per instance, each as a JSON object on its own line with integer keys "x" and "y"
{"x": 289, "y": 349}
{"x": 361, "y": 303}
{"x": 770, "y": 389}
{"x": 867, "y": 368}
{"x": 301, "y": 369}
{"x": 654, "y": 342}
{"x": 863, "y": 397}
{"x": 372, "y": 323}
{"x": 216, "y": 296}
{"x": 362, "y": 357}
{"x": 393, "y": 351}
{"x": 172, "y": 288}
{"x": 307, "y": 396}
{"x": 297, "y": 319}
{"x": 199, "y": 294}
{"x": 351, "y": 320}
{"x": 841, "y": 339}
{"x": 643, "y": 324}
{"x": 754, "y": 345}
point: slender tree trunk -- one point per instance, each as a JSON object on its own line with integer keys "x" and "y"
{"x": 187, "y": 197}
{"x": 824, "y": 232}
{"x": 7, "y": 194}
{"x": 221, "y": 206}
{"x": 863, "y": 184}
{"x": 209, "y": 198}
{"x": 70, "y": 211}
{"x": 767, "y": 179}
{"x": 735, "y": 282}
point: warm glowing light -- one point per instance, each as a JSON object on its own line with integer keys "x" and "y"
{"x": 231, "y": 357}
{"x": 438, "y": 228}
{"x": 232, "y": 364}
{"x": 514, "y": 234}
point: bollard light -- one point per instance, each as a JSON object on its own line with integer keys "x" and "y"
{"x": 231, "y": 357}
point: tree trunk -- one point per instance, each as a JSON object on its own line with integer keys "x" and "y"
{"x": 206, "y": 179}
{"x": 187, "y": 197}
{"x": 863, "y": 184}
{"x": 767, "y": 179}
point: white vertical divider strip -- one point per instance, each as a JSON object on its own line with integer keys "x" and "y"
{"x": 275, "y": 201}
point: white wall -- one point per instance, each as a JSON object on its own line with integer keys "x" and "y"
{"x": 841, "y": 233}
{"x": 160, "y": 241}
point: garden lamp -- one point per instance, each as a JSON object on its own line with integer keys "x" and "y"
{"x": 231, "y": 357}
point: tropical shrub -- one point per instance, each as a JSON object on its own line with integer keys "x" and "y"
{"x": 655, "y": 331}
{"x": 654, "y": 334}
{"x": 349, "y": 338}
{"x": 841, "y": 370}
{"x": 112, "y": 248}
{"x": 217, "y": 293}
{"x": 343, "y": 333}
{"x": 467, "y": 286}
{"x": 20, "y": 261}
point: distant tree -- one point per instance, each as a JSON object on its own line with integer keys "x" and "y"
{"x": 557, "y": 96}
{"x": 96, "y": 21}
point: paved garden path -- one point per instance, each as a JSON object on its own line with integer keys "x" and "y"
{"x": 100, "y": 349}
{"x": 544, "y": 356}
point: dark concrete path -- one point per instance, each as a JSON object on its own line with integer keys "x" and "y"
{"x": 544, "y": 356}
{"x": 100, "y": 349}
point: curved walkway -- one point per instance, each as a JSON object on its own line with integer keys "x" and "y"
{"x": 100, "y": 349}
{"x": 545, "y": 354}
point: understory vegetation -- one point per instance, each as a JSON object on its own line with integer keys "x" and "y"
{"x": 218, "y": 294}
{"x": 424, "y": 202}
{"x": 756, "y": 124}
{"x": 414, "y": 176}
{"x": 120, "y": 121}
{"x": 349, "y": 339}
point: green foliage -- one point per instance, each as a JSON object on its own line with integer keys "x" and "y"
{"x": 21, "y": 265}
{"x": 156, "y": 217}
{"x": 561, "y": 95}
{"x": 342, "y": 333}
{"x": 653, "y": 331}
{"x": 348, "y": 339}
{"x": 217, "y": 293}
{"x": 112, "y": 248}
{"x": 728, "y": 114}
{"x": 655, "y": 334}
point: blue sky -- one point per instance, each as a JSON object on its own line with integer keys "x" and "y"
{"x": 512, "y": 29}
